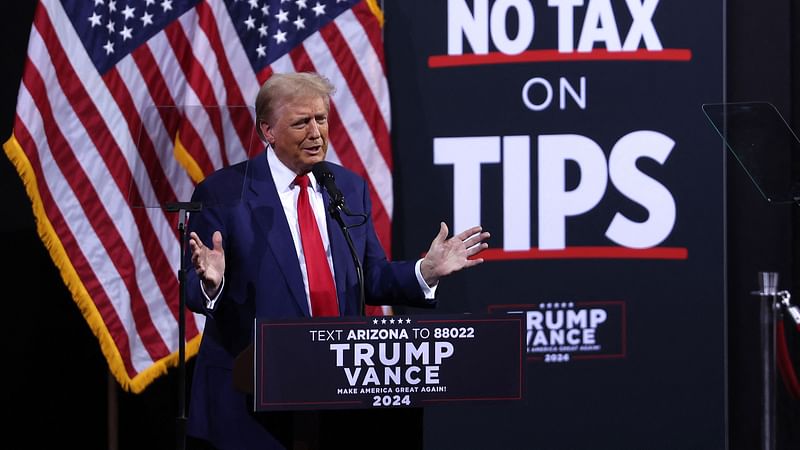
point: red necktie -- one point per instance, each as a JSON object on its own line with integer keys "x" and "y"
{"x": 320, "y": 281}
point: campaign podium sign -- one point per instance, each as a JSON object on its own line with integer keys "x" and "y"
{"x": 386, "y": 362}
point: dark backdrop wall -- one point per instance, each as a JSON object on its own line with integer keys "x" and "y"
{"x": 480, "y": 136}
{"x": 56, "y": 378}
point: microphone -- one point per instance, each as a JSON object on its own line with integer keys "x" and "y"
{"x": 324, "y": 175}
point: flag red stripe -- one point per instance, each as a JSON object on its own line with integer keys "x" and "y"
{"x": 154, "y": 81}
{"x": 122, "y": 97}
{"x": 349, "y": 157}
{"x": 99, "y": 297}
{"x": 262, "y": 76}
{"x": 197, "y": 79}
{"x": 91, "y": 202}
{"x": 244, "y": 128}
{"x": 348, "y": 154}
{"x": 371, "y": 28}
{"x": 359, "y": 88}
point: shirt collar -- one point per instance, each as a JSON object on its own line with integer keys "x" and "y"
{"x": 282, "y": 175}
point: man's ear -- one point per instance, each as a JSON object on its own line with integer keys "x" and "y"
{"x": 266, "y": 130}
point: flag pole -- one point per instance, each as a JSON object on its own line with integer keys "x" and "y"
{"x": 112, "y": 405}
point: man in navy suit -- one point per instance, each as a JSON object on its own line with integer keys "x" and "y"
{"x": 250, "y": 261}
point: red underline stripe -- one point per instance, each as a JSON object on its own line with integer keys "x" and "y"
{"x": 674, "y": 54}
{"x": 588, "y": 253}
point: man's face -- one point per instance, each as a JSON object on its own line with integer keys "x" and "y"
{"x": 299, "y": 132}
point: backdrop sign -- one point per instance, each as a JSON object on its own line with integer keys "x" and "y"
{"x": 573, "y": 131}
{"x": 564, "y": 331}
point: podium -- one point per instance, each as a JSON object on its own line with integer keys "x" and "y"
{"x": 353, "y": 382}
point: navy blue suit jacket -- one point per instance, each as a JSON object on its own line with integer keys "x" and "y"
{"x": 263, "y": 279}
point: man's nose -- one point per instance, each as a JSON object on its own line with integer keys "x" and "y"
{"x": 313, "y": 129}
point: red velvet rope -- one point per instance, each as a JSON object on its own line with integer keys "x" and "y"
{"x": 785, "y": 362}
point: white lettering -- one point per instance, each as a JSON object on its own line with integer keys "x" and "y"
{"x": 565, "y": 88}
{"x": 371, "y": 377}
{"x": 565, "y": 20}
{"x": 516, "y": 193}
{"x": 555, "y": 202}
{"x": 596, "y": 317}
{"x": 526, "y": 96}
{"x": 415, "y": 354}
{"x": 466, "y": 154}
{"x": 637, "y": 186}
{"x": 476, "y": 25}
{"x": 339, "y": 349}
{"x": 431, "y": 374}
{"x": 363, "y": 353}
{"x": 498, "y": 26}
{"x": 352, "y": 377}
{"x": 599, "y": 25}
{"x": 387, "y": 361}
{"x": 392, "y": 375}
{"x": 534, "y": 320}
{"x": 473, "y": 26}
{"x": 559, "y": 197}
{"x": 441, "y": 351}
{"x": 411, "y": 377}
{"x": 574, "y": 336}
{"x": 642, "y": 27}
{"x": 576, "y": 318}
{"x": 554, "y": 319}
{"x": 589, "y": 336}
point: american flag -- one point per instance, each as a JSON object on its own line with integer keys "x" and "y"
{"x": 113, "y": 88}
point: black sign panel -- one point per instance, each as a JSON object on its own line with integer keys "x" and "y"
{"x": 400, "y": 361}
{"x": 573, "y": 132}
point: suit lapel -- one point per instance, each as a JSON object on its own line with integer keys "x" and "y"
{"x": 271, "y": 220}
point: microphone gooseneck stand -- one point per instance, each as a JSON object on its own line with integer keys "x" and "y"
{"x": 334, "y": 210}
{"x": 336, "y": 206}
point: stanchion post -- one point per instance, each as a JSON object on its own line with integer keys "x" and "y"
{"x": 768, "y": 293}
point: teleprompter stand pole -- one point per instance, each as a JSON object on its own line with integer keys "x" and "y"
{"x": 183, "y": 209}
